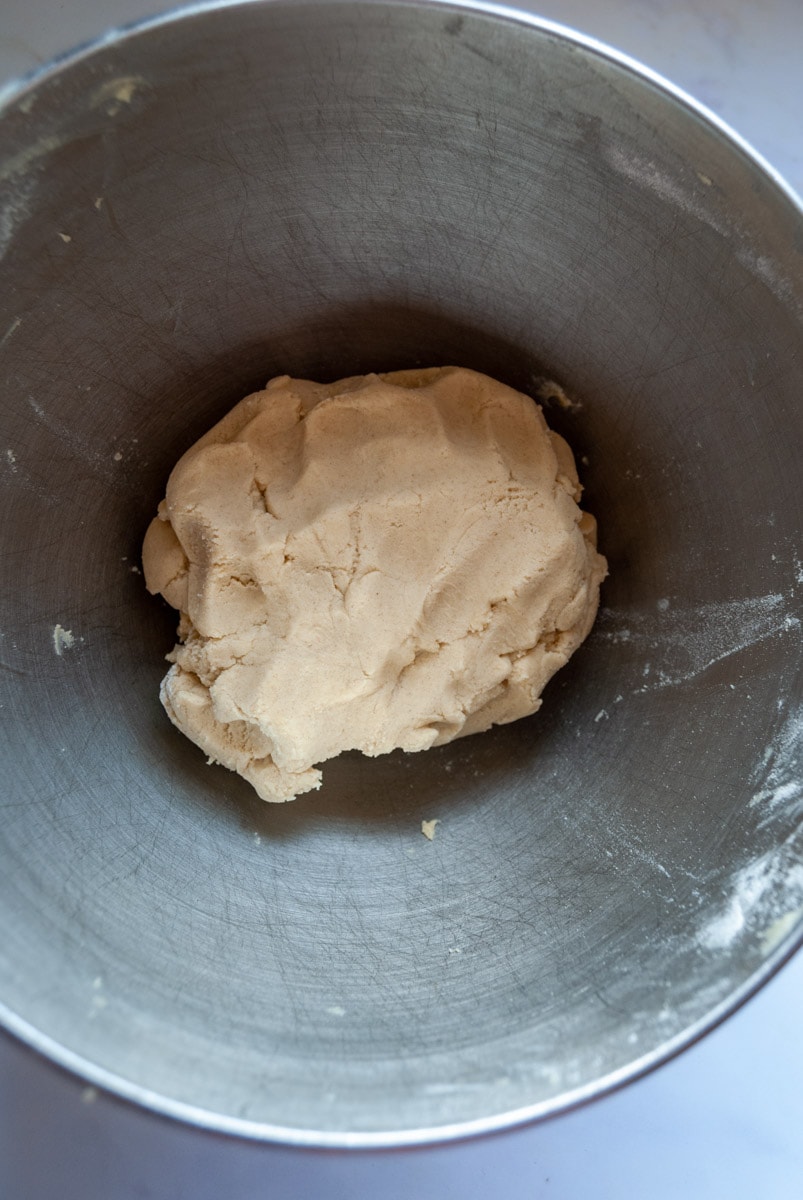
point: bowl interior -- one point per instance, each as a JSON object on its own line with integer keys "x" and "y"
{"x": 322, "y": 190}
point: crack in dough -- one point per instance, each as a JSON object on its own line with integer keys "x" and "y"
{"x": 386, "y": 561}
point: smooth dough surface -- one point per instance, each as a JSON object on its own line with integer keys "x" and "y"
{"x": 386, "y": 561}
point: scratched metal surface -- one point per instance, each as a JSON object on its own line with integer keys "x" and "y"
{"x": 323, "y": 190}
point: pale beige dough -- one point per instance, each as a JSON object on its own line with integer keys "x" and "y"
{"x": 386, "y": 561}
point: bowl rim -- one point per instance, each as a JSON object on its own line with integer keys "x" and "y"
{"x": 11, "y": 94}
{"x": 394, "y": 1139}
{"x": 14, "y": 89}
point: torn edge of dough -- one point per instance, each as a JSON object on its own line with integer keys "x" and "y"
{"x": 428, "y": 828}
{"x": 63, "y": 639}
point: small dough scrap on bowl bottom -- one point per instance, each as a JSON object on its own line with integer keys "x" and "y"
{"x": 386, "y": 561}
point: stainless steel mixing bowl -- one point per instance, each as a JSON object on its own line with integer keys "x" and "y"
{"x": 200, "y": 203}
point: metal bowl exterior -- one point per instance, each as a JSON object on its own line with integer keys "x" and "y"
{"x": 233, "y": 192}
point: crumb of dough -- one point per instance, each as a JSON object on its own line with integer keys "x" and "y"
{"x": 428, "y": 828}
{"x": 388, "y": 561}
{"x": 548, "y": 391}
{"x": 63, "y": 639}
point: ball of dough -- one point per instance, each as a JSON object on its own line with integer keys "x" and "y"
{"x": 386, "y": 561}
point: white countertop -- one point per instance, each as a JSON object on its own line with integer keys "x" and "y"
{"x": 723, "y": 1120}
